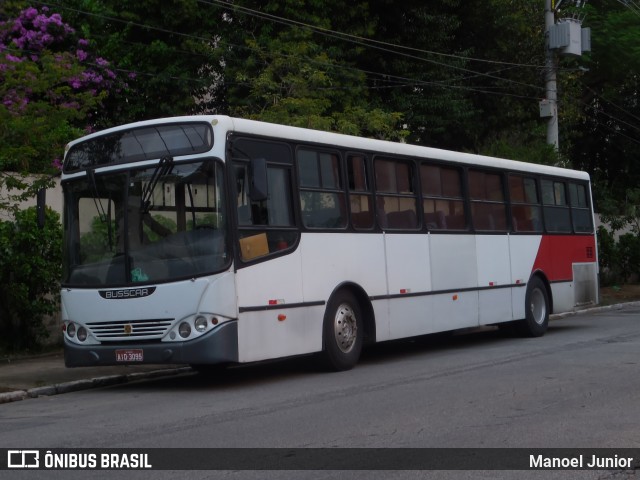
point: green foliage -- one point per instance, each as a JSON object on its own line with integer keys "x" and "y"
{"x": 297, "y": 76}
{"x": 30, "y": 270}
{"x": 165, "y": 48}
{"x": 629, "y": 255}
{"x": 428, "y": 89}
{"x": 523, "y": 144}
{"x": 619, "y": 259}
{"x": 606, "y": 138}
{"x": 608, "y": 256}
{"x": 94, "y": 244}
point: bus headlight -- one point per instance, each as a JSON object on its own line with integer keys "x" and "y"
{"x": 184, "y": 330}
{"x": 82, "y": 334}
{"x": 201, "y": 324}
{"x": 71, "y": 329}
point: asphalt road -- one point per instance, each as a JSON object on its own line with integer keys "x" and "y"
{"x": 576, "y": 387}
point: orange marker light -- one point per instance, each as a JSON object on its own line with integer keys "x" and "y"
{"x": 282, "y": 317}
{"x": 455, "y": 297}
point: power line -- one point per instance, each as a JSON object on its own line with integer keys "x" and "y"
{"x": 631, "y": 5}
{"x": 281, "y": 20}
{"x": 401, "y": 82}
{"x": 355, "y": 38}
{"x": 208, "y": 40}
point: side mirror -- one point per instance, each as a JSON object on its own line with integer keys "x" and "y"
{"x": 41, "y": 207}
{"x": 259, "y": 189}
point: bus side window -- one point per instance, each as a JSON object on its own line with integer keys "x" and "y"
{"x": 442, "y": 200}
{"x": 360, "y": 198}
{"x": 580, "y": 211}
{"x": 557, "y": 217}
{"x": 488, "y": 208}
{"x": 526, "y": 214}
{"x": 396, "y": 200}
{"x": 322, "y": 199}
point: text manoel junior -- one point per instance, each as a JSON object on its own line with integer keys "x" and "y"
{"x": 540, "y": 461}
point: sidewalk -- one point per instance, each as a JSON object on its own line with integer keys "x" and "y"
{"x": 47, "y": 375}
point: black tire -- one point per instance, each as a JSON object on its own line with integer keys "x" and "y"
{"x": 342, "y": 332}
{"x": 536, "y": 306}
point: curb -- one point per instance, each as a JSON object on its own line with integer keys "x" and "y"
{"x": 605, "y": 308}
{"x": 78, "y": 385}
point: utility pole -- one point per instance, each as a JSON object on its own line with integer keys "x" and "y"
{"x": 567, "y": 37}
{"x": 550, "y": 78}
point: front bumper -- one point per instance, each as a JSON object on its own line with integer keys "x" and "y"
{"x": 220, "y": 345}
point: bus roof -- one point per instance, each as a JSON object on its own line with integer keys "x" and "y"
{"x": 254, "y": 127}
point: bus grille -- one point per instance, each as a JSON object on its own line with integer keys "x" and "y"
{"x": 131, "y": 329}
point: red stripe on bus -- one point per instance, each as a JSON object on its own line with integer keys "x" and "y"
{"x": 557, "y": 254}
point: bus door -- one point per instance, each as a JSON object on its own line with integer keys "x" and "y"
{"x": 268, "y": 267}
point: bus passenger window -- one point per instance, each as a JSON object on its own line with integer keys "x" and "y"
{"x": 488, "y": 208}
{"x": 557, "y": 217}
{"x": 580, "y": 211}
{"x": 526, "y": 213}
{"x": 442, "y": 201}
{"x": 322, "y": 200}
{"x": 396, "y": 200}
{"x": 360, "y": 198}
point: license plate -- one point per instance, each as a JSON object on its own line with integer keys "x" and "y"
{"x": 132, "y": 355}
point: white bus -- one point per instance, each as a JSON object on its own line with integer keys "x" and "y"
{"x": 214, "y": 240}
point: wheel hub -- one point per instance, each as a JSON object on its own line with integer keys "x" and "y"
{"x": 345, "y": 328}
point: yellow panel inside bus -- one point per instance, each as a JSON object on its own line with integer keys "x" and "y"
{"x": 254, "y": 246}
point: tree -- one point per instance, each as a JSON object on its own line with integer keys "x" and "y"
{"x": 609, "y": 144}
{"x": 286, "y": 64}
{"x": 506, "y": 41}
{"x": 30, "y": 270}
{"x": 406, "y": 76}
{"x": 50, "y": 89}
{"x": 166, "y": 50}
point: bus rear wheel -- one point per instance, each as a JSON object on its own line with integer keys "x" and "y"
{"x": 537, "y": 303}
{"x": 342, "y": 331}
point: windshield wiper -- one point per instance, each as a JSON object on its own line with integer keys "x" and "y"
{"x": 163, "y": 168}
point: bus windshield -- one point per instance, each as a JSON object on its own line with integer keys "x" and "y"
{"x": 145, "y": 225}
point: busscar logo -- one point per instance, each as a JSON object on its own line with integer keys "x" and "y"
{"x": 23, "y": 459}
{"x": 124, "y": 293}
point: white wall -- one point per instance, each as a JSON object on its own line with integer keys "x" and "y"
{"x": 54, "y": 199}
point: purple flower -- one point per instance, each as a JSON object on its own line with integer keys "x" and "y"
{"x": 82, "y": 55}
{"x": 30, "y": 13}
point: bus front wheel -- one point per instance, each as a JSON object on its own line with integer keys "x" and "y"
{"x": 342, "y": 332}
{"x": 537, "y": 303}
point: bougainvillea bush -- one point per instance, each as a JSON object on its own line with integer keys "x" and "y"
{"x": 51, "y": 91}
